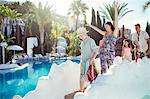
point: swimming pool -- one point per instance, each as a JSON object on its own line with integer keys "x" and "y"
{"x": 22, "y": 81}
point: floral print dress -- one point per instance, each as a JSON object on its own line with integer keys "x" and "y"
{"x": 107, "y": 52}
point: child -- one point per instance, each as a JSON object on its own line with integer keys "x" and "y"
{"x": 126, "y": 51}
{"x": 89, "y": 52}
{"x": 136, "y": 51}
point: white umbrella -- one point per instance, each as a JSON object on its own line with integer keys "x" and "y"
{"x": 14, "y": 48}
{"x": 3, "y": 44}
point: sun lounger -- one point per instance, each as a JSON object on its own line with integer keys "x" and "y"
{"x": 41, "y": 57}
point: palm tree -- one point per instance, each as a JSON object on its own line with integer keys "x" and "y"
{"x": 84, "y": 8}
{"x": 43, "y": 16}
{"x": 4, "y": 42}
{"x": 146, "y": 5}
{"x": 5, "y": 11}
{"x": 8, "y": 40}
{"x": 27, "y": 9}
{"x": 109, "y": 11}
{"x": 2, "y": 37}
{"x": 77, "y": 8}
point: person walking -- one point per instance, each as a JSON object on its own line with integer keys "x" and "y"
{"x": 89, "y": 51}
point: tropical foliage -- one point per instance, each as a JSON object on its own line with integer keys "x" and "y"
{"x": 109, "y": 11}
{"x": 146, "y": 5}
{"x": 74, "y": 46}
{"x": 8, "y": 40}
{"x": 7, "y": 12}
{"x": 43, "y": 16}
{"x": 2, "y": 37}
{"x": 76, "y": 9}
{"x": 148, "y": 28}
{"x": 59, "y": 30}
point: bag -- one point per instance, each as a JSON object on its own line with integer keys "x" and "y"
{"x": 92, "y": 72}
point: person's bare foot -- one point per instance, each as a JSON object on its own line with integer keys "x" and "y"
{"x": 86, "y": 84}
{"x": 82, "y": 90}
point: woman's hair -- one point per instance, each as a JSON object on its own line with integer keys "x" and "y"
{"x": 111, "y": 25}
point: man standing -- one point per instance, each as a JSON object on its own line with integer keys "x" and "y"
{"x": 141, "y": 39}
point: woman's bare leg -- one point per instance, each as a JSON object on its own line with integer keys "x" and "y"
{"x": 81, "y": 85}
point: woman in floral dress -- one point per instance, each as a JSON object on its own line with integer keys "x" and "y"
{"x": 107, "y": 52}
{"x": 107, "y": 46}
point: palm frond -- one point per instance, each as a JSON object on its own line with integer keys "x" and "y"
{"x": 121, "y": 7}
{"x": 2, "y": 37}
{"x": 43, "y": 13}
{"x": 126, "y": 13}
{"x": 11, "y": 39}
{"x": 109, "y": 11}
{"x": 104, "y": 12}
{"x": 146, "y": 5}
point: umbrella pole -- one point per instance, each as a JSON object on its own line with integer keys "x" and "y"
{"x": 14, "y": 52}
{"x": 3, "y": 51}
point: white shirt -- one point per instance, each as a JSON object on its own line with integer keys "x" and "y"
{"x": 142, "y": 42}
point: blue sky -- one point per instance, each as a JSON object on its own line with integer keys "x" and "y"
{"x": 138, "y": 16}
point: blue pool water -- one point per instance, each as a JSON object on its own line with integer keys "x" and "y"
{"x": 22, "y": 81}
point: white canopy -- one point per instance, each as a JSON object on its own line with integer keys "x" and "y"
{"x": 3, "y": 44}
{"x": 14, "y": 48}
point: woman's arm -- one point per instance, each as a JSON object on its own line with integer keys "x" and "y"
{"x": 101, "y": 43}
{"x": 97, "y": 29}
{"x": 81, "y": 69}
{"x": 148, "y": 43}
{"x": 122, "y": 52}
{"x": 93, "y": 57}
